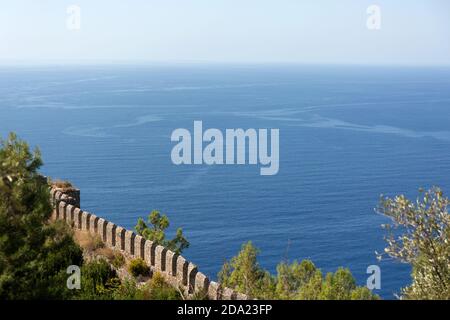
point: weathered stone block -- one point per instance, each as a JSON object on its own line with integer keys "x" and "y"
{"x": 160, "y": 258}
{"x": 74, "y": 196}
{"x": 93, "y": 224}
{"x": 120, "y": 238}
{"x": 171, "y": 263}
{"x": 201, "y": 283}
{"x": 85, "y": 219}
{"x": 61, "y": 209}
{"x": 214, "y": 291}
{"x": 191, "y": 272}
{"x": 69, "y": 213}
{"x": 65, "y": 212}
{"x": 58, "y": 195}
{"x": 139, "y": 247}
{"x": 129, "y": 242}
{"x": 149, "y": 252}
{"x": 77, "y": 217}
{"x": 182, "y": 270}
{"x": 101, "y": 229}
{"x": 241, "y": 296}
{"x": 111, "y": 234}
{"x": 71, "y": 196}
{"x": 228, "y": 294}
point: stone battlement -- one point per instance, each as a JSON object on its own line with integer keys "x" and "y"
{"x": 178, "y": 271}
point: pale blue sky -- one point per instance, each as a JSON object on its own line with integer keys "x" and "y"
{"x": 227, "y": 31}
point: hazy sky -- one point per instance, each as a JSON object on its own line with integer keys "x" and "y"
{"x": 256, "y": 31}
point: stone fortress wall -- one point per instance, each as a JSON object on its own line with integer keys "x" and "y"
{"x": 178, "y": 271}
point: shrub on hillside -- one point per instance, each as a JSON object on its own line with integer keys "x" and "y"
{"x": 138, "y": 267}
{"x": 118, "y": 260}
{"x": 98, "y": 280}
{"x": 161, "y": 290}
{"x": 155, "y": 289}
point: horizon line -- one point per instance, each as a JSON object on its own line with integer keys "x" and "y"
{"x": 153, "y": 63}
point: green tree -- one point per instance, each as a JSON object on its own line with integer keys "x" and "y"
{"x": 363, "y": 293}
{"x": 312, "y": 289}
{"x": 419, "y": 235}
{"x": 293, "y": 281}
{"x": 290, "y": 278}
{"x": 266, "y": 287}
{"x": 243, "y": 272}
{"x": 34, "y": 254}
{"x": 338, "y": 286}
{"x": 156, "y": 232}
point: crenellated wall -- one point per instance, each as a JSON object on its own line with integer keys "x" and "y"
{"x": 175, "y": 268}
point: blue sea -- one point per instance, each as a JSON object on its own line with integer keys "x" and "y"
{"x": 347, "y": 135}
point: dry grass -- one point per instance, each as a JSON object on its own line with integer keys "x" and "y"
{"x": 94, "y": 247}
{"x": 61, "y": 184}
{"x": 108, "y": 253}
{"x": 88, "y": 241}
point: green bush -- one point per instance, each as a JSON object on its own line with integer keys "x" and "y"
{"x": 128, "y": 290}
{"x": 138, "y": 267}
{"x": 160, "y": 290}
{"x": 98, "y": 280}
{"x": 118, "y": 260}
{"x": 155, "y": 289}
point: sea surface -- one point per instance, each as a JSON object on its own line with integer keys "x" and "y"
{"x": 347, "y": 135}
